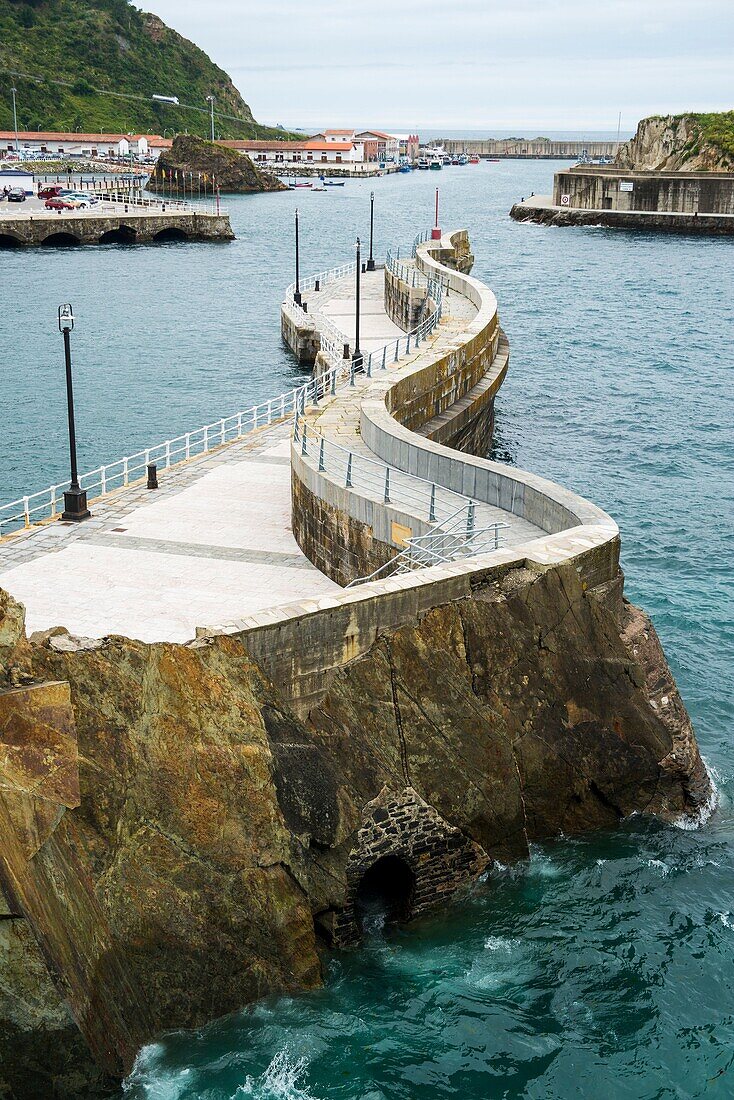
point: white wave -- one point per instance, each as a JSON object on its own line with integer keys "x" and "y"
{"x": 689, "y": 822}
{"x": 659, "y": 865}
{"x": 156, "y": 1082}
{"x": 499, "y": 943}
{"x": 282, "y": 1080}
{"x": 726, "y": 919}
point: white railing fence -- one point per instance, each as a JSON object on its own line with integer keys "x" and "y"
{"x": 48, "y": 503}
{"x": 453, "y": 515}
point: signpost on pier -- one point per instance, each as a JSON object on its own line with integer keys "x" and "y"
{"x": 357, "y": 354}
{"x": 371, "y": 261}
{"x": 75, "y": 498}
{"x": 436, "y": 232}
{"x": 297, "y": 291}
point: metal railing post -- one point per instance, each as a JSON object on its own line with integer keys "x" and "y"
{"x": 432, "y": 505}
{"x": 384, "y": 357}
{"x": 333, "y": 380}
{"x": 321, "y": 453}
{"x": 304, "y": 451}
{"x": 387, "y": 485}
{"x": 348, "y": 482}
{"x": 351, "y": 372}
{"x": 470, "y": 519}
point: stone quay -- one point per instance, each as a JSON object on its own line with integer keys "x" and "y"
{"x": 110, "y": 220}
{"x": 673, "y": 202}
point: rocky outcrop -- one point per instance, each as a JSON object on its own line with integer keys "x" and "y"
{"x": 691, "y": 142}
{"x": 190, "y": 157}
{"x": 199, "y": 840}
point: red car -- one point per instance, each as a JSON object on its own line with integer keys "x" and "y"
{"x": 60, "y": 204}
{"x": 49, "y": 192}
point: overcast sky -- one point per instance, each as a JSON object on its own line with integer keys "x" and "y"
{"x": 477, "y": 64}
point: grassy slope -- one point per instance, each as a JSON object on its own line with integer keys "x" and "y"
{"x": 100, "y": 44}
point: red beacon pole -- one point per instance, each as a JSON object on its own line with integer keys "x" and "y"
{"x": 436, "y": 232}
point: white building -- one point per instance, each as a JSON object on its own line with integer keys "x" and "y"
{"x": 290, "y": 153}
{"x": 52, "y": 144}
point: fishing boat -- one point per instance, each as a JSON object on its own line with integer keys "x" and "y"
{"x": 423, "y": 164}
{"x": 455, "y": 161}
{"x": 333, "y": 183}
{"x": 463, "y": 159}
{"x": 405, "y": 168}
{"x": 303, "y": 185}
{"x": 436, "y": 162}
{"x": 447, "y": 162}
{"x": 493, "y": 160}
{"x": 474, "y": 159}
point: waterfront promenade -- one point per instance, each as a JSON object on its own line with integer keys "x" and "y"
{"x": 244, "y": 533}
{"x": 155, "y": 564}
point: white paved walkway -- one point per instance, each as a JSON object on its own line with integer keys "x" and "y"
{"x": 214, "y": 543}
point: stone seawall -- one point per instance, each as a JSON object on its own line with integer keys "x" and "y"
{"x": 696, "y": 224}
{"x": 131, "y": 227}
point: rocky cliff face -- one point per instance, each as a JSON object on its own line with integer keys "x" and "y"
{"x": 693, "y": 143}
{"x": 190, "y": 156}
{"x": 224, "y": 841}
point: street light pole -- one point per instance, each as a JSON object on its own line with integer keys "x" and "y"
{"x": 15, "y": 120}
{"x": 371, "y": 261}
{"x": 75, "y": 498}
{"x": 210, "y": 101}
{"x": 357, "y": 354}
{"x": 297, "y": 291}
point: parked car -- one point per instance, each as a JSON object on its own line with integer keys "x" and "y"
{"x": 84, "y": 198}
{"x": 16, "y": 194}
{"x": 58, "y": 203}
{"x": 50, "y": 192}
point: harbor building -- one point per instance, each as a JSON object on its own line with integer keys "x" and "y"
{"x": 289, "y": 153}
{"x": 54, "y": 144}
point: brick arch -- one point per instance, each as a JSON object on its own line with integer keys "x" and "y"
{"x": 403, "y": 826}
{"x": 9, "y": 240}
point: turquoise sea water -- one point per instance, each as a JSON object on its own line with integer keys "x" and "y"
{"x": 602, "y": 967}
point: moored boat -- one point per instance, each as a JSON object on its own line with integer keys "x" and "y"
{"x": 423, "y": 164}
{"x": 474, "y": 159}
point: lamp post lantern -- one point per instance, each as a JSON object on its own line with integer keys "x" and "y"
{"x": 357, "y": 354}
{"x": 210, "y": 101}
{"x": 371, "y": 261}
{"x": 297, "y": 291}
{"x": 75, "y": 498}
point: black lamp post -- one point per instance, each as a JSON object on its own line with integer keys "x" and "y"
{"x": 357, "y": 354}
{"x": 75, "y": 498}
{"x": 371, "y": 262}
{"x": 297, "y": 291}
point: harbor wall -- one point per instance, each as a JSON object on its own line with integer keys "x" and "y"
{"x": 654, "y": 192}
{"x": 522, "y": 149}
{"x": 128, "y": 227}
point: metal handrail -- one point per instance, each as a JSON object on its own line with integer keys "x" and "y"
{"x": 420, "y": 554}
{"x": 453, "y": 514}
{"x": 47, "y": 503}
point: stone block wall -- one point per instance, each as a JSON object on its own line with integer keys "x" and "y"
{"x": 441, "y": 858}
{"x": 663, "y": 192}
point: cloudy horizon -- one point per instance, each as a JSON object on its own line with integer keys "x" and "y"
{"x": 469, "y": 64}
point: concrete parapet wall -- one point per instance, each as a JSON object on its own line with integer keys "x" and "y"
{"x": 654, "y": 192}
{"x": 300, "y": 646}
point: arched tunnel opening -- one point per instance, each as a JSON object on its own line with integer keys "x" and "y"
{"x": 171, "y": 234}
{"x": 122, "y": 234}
{"x": 7, "y": 240}
{"x": 385, "y": 894}
{"x": 60, "y": 240}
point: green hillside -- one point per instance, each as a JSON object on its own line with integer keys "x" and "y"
{"x": 90, "y": 46}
